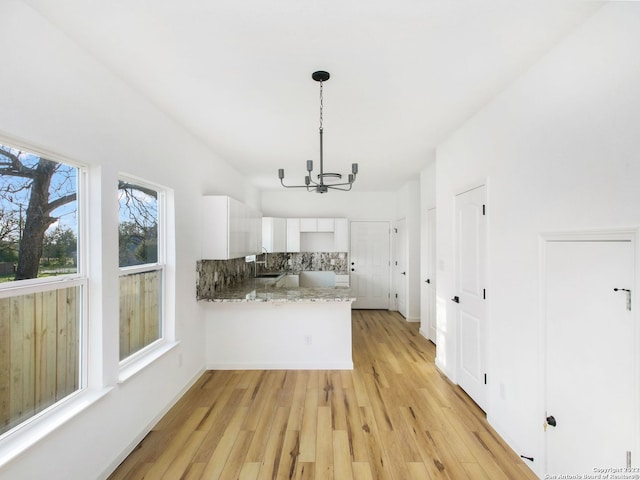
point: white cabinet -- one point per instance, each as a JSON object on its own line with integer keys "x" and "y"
{"x": 293, "y": 234}
{"x": 274, "y": 234}
{"x": 230, "y": 229}
{"x": 316, "y": 225}
{"x": 341, "y": 235}
{"x": 334, "y": 231}
{"x": 325, "y": 225}
{"x": 308, "y": 225}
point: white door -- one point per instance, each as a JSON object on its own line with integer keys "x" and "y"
{"x": 470, "y": 293}
{"x": 400, "y": 267}
{"x": 370, "y": 264}
{"x": 590, "y": 380}
{"x": 430, "y": 281}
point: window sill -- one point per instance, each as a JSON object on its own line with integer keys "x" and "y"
{"x": 39, "y": 426}
{"x": 132, "y": 368}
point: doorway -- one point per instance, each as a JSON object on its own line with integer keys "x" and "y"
{"x": 400, "y": 267}
{"x": 370, "y": 264}
{"x": 471, "y": 274}
{"x": 430, "y": 281}
{"x": 590, "y": 360}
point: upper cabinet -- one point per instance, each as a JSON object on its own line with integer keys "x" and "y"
{"x": 230, "y": 228}
{"x": 274, "y": 234}
{"x": 341, "y": 235}
{"x": 293, "y": 234}
{"x": 317, "y": 234}
{"x": 316, "y": 225}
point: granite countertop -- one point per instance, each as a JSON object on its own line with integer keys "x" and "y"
{"x": 255, "y": 291}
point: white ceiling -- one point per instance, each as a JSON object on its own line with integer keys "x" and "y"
{"x": 237, "y": 73}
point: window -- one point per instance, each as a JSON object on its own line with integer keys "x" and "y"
{"x": 141, "y": 261}
{"x": 42, "y": 284}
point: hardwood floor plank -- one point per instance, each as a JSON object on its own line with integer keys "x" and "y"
{"x": 180, "y": 464}
{"x": 341, "y": 457}
{"x": 273, "y": 446}
{"x": 175, "y": 445}
{"x": 223, "y": 448}
{"x": 194, "y": 472}
{"x": 289, "y": 455}
{"x": 361, "y": 471}
{"x": 417, "y": 471}
{"x": 324, "y": 444}
{"x": 394, "y": 416}
{"x": 308, "y": 433}
{"x": 237, "y": 454}
{"x": 249, "y": 471}
{"x": 297, "y": 401}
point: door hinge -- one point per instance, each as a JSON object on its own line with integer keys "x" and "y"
{"x": 484, "y": 209}
{"x": 484, "y": 293}
{"x": 485, "y": 378}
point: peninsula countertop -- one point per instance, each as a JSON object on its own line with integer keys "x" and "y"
{"x": 254, "y": 291}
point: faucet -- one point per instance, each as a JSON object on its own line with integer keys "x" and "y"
{"x": 263, "y": 262}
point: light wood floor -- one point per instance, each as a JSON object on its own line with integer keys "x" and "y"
{"x": 394, "y": 416}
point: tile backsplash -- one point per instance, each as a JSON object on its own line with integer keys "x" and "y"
{"x": 214, "y": 275}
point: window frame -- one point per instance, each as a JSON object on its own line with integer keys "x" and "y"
{"x": 135, "y": 362}
{"x": 31, "y": 429}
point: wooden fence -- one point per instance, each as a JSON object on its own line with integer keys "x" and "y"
{"x": 139, "y": 311}
{"x": 40, "y": 342}
{"x": 39, "y": 352}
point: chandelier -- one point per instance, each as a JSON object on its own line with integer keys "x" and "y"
{"x": 323, "y": 180}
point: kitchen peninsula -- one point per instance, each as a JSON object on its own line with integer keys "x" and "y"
{"x": 270, "y": 322}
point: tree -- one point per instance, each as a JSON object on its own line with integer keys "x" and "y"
{"x": 138, "y": 224}
{"x": 9, "y": 233}
{"x": 36, "y": 177}
{"x": 60, "y": 244}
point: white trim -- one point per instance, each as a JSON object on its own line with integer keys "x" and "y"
{"x": 138, "y": 361}
{"x": 282, "y": 366}
{"x": 145, "y": 267}
{"x": 37, "y": 426}
{"x": 26, "y": 287}
{"x": 33, "y": 430}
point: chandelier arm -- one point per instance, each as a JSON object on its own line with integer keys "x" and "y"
{"x": 335, "y": 187}
{"x": 293, "y": 186}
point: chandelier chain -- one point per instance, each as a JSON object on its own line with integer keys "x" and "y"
{"x": 321, "y": 105}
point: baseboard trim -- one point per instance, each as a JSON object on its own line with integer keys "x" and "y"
{"x": 281, "y": 366}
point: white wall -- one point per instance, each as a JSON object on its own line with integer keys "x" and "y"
{"x": 54, "y": 96}
{"x": 559, "y": 150}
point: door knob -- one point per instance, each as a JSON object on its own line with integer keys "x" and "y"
{"x": 551, "y": 421}
{"x": 456, "y": 299}
{"x": 403, "y": 273}
{"x": 353, "y": 269}
{"x": 428, "y": 280}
